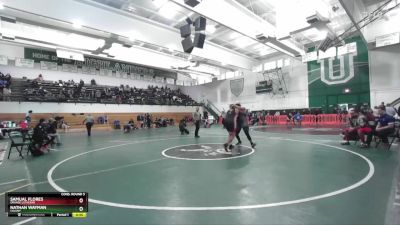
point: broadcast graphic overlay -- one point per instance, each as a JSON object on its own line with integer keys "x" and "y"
{"x": 57, "y": 204}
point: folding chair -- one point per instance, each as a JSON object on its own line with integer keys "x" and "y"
{"x": 17, "y": 142}
{"x": 28, "y": 137}
{"x": 394, "y": 136}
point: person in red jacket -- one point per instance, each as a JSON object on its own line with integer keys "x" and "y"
{"x": 364, "y": 121}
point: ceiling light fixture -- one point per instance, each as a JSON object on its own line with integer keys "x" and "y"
{"x": 264, "y": 51}
{"x": 168, "y": 10}
{"x": 131, "y": 9}
{"x": 279, "y": 49}
{"x": 159, "y": 3}
{"x": 77, "y": 24}
{"x": 192, "y": 3}
{"x": 211, "y": 29}
{"x": 234, "y": 35}
{"x": 243, "y": 41}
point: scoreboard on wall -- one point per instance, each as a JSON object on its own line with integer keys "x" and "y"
{"x": 45, "y": 204}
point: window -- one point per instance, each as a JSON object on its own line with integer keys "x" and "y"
{"x": 230, "y": 75}
{"x": 279, "y": 63}
{"x": 257, "y": 68}
{"x": 270, "y": 65}
{"x": 287, "y": 62}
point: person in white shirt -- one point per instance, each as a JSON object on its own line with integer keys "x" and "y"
{"x": 89, "y": 121}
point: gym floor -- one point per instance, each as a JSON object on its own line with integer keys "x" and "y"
{"x": 157, "y": 176}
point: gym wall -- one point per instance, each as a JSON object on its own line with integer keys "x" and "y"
{"x": 328, "y": 96}
{"x": 220, "y": 94}
{"x": 385, "y": 74}
{"x": 12, "y": 52}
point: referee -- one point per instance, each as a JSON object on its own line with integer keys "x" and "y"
{"x": 89, "y": 121}
{"x": 197, "y": 119}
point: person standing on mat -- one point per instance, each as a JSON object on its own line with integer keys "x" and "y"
{"x": 89, "y": 120}
{"x": 243, "y": 120}
{"x": 197, "y": 119}
{"x": 28, "y": 117}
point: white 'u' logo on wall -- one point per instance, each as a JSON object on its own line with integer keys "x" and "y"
{"x": 346, "y": 69}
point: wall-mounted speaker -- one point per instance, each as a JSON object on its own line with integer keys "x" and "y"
{"x": 185, "y": 30}
{"x": 192, "y": 3}
{"x": 199, "y": 39}
{"x": 200, "y": 23}
{"x": 188, "y": 20}
{"x": 187, "y": 44}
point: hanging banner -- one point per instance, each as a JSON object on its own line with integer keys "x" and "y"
{"x": 3, "y": 60}
{"x": 48, "y": 65}
{"x": 103, "y": 72}
{"x": 26, "y": 63}
{"x": 237, "y": 86}
{"x": 69, "y": 68}
{"x": 88, "y": 70}
{"x": 41, "y": 55}
{"x": 159, "y": 80}
{"x": 170, "y": 81}
{"x": 388, "y": 39}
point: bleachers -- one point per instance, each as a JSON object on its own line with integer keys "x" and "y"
{"x": 61, "y": 91}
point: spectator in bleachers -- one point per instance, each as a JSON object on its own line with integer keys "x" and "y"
{"x": 5, "y": 90}
{"x": 98, "y": 95}
{"x": 385, "y": 125}
{"x": 39, "y": 79}
{"x": 7, "y": 94}
{"x": 70, "y": 91}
